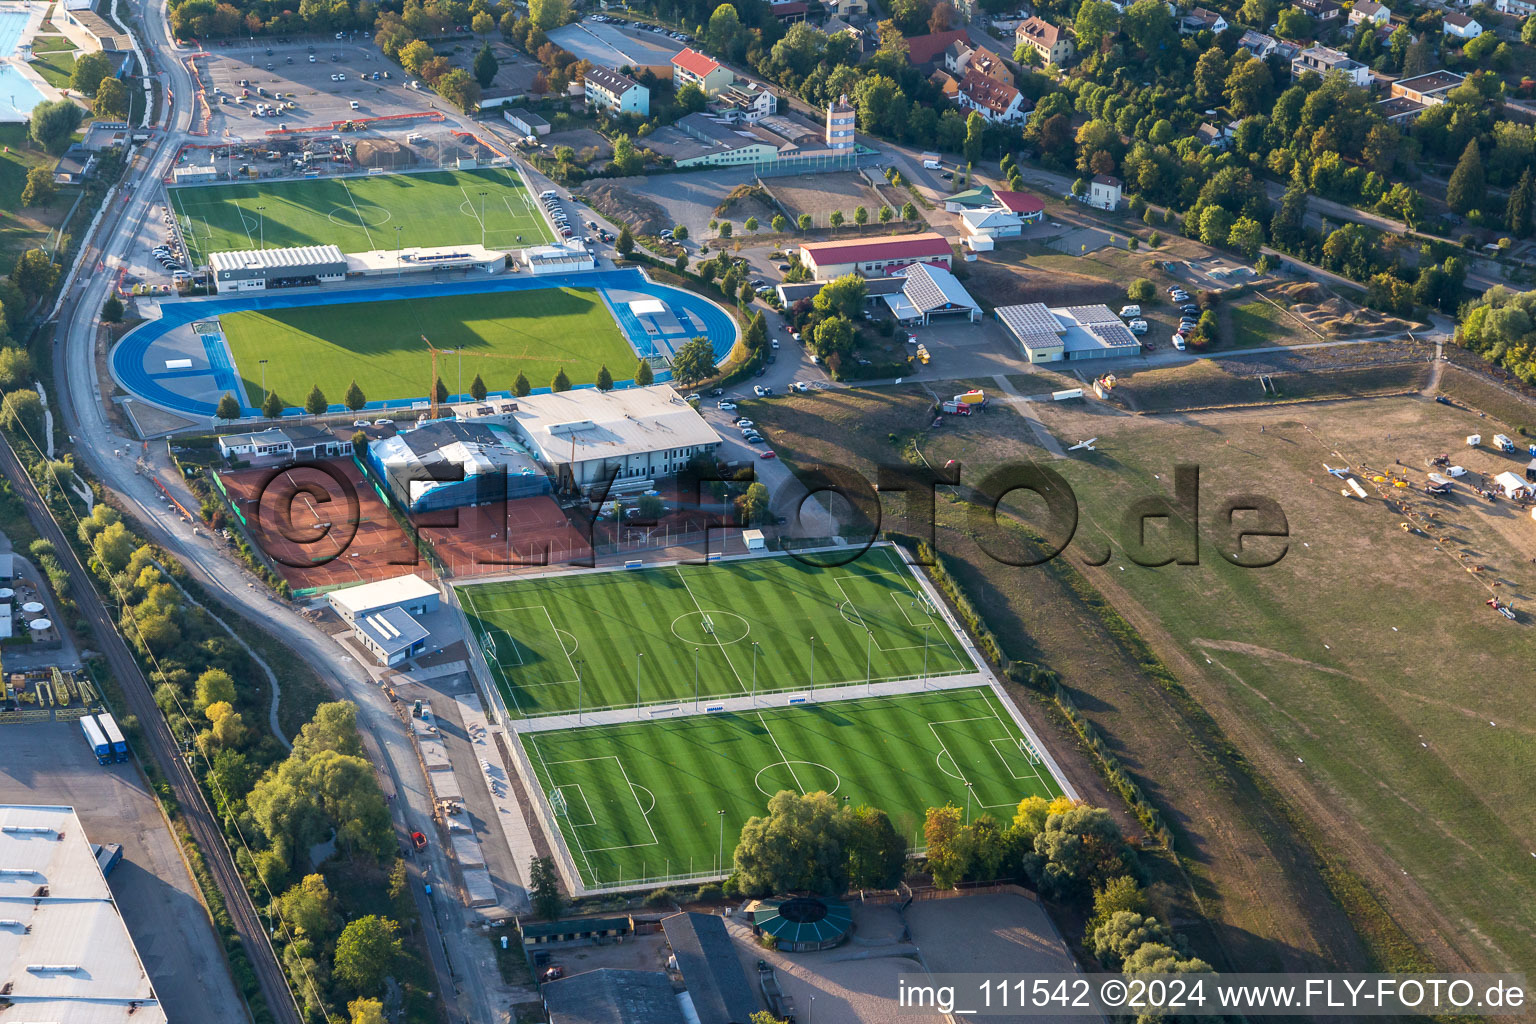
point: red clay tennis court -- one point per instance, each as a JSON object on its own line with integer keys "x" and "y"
{"x": 502, "y": 536}
{"x": 322, "y": 524}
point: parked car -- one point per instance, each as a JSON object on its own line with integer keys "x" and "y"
{"x": 752, "y": 438}
{"x": 726, "y": 406}
{"x": 384, "y": 423}
{"x": 759, "y": 390}
{"x": 774, "y": 343}
{"x": 800, "y": 386}
{"x": 744, "y": 424}
{"x": 1178, "y": 342}
{"x": 769, "y": 454}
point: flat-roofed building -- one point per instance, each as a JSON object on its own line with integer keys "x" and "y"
{"x": 410, "y": 593}
{"x": 634, "y": 435}
{"x": 1324, "y": 60}
{"x": 526, "y": 122}
{"x": 260, "y": 269}
{"x": 1051, "y": 334}
{"x": 392, "y": 635}
{"x": 65, "y": 954}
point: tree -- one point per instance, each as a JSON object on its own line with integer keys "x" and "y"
{"x": 213, "y": 686}
{"x": 272, "y": 406}
{"x": 943, "y": 17}
{"x": 53, "y": 123}
{"x": 1095, "y": 20}
{"x": 834, "y": 336}
{"x": 885, "y": 215}
{"x": 877, "y": 852}
{"x": 316, "y": 403}
{"x": 482, "y": 23}
{"x": 549, "y": 14}
{"x": 804, "y": 221}
{"x": 228, "y": 728}
{"x": 946, "y": 861}
{"x": 626, "y": 243}
{"x": 726, "y": 35}
{"x": 22, "y": 410}
{"x": 1158, "y": 958}
{"x": 1078, "y": 849}
{"x": 1517, "y": 212}
{"x": 751, "y": 225}
{"x": 40, "y": 189}
{"x": 780, "y": 223}
{"x": 908, "y": 212}
{"x": 604, "y": 378}
{"x": 861, "y": 216}
{"x": 459, "y": 89}
{"x": 562, "y": 382}
{"x": 15, "y": 368}
{"x": 1210, "y": 74}
{"x": 111, "y": 100}
{"x": 1115, "y": 895}
{"x": 544, "y": 889}
{"x": 842, "y": 297}
{"x": 644, "y": 375}
{"x": 975, "y": 130}
{"x": 1466, "y": 190}
{"x": 1215, "y": 225}
{"x": 112, "y": 309}
{"x": 797, "y": 846}
{"x": 1122, "y": 934}
{"x": 114, "y": 545}
{"x": 680, "y": 231}
{"x": 366, "y": 952}
{"x": 477, "y": 389}
{"x": 1141, "y": 290}
{"x": 371, "y": 1011}
{"x": 1293, "y": 24}
{"x": 681, "y": 263}
{"x": 414, "y": 56}
{"x": 753, "y": 505}
{"x": 521, "y": 387}
{"x": 724, "y": 229}
{"x": 228, "y": 408}
{"x": 90, "y": 69}
{"x": 694, "y": 360}
{"x": 34, "y": 273}
{"x": 485, "y": 66}
{"x": 1246, "y": 236}
{"x": 309, "y": 908}
{"x": 355, "y": 399}
{"x": 690, "y": 99}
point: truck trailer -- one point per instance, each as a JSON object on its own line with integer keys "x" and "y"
{"x": 96, "y": 740}
{"x": 114, "y": 736}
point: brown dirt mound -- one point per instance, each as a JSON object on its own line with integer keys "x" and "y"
{"x": 747, "y": 201}
{"x": 621, "y": 206}
{"x": 383, "y": 153}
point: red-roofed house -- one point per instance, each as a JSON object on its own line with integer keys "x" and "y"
{"x": 830, "y": 260}
{"x": 929, "y": 48}
{"x": 997, "y": 101}
{"x": 708, "y": 74}
{"x": 1025, "y": 204}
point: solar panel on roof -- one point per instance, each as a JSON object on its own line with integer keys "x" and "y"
{"x": 1030, "y": 318}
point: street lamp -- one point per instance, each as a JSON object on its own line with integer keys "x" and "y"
{"x": 968, "y": 790}
{"x": 813, "y": 664}
{"x": 261, "y": 224}
{"x": 695, "y": 679}
{"x": 754, "y": 671}
{"x": 399, "y": 253}
{"x": 482, "y": 220}
{"x": 720, "y": 854}
{"x": 638, "y": 656}
{"x": 925, "y": 655}
{"x": 578, "y": 691}
{"x": 868, "y": 652}
{"x": 263, "y": 381}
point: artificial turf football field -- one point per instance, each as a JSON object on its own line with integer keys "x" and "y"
{"x": 379, "y": 344}
{"x": 567, "y": 640}
{"x": 359, "y": 214}
{"x": 643, "y": 800}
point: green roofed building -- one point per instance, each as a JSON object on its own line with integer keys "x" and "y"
{"x": 802, "y": 924}
{"x": 970, "y": 199}
{"x": 592, "y": 929}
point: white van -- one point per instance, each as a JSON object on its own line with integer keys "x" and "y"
{"x": 1178, "y": 342}
{"x": 931, "y": 161}
{"x": 353, "y": 104}
{"x": 1130, "y": 311}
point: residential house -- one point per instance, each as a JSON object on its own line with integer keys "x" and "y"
{"x": 1371, "y": 11}
{"x": 692, "y": 67}
{"x": 945, "y": 82}
{"x": 299, "y": 441}
{"x": 1211, "y": 136}
{"x": 74, "y": 166}
{"x": 1325, "y": 60}
{"x": 957, "y": 57}
{"x": 606, "y": 89}
{"x": 840, "y": 124}
{"x": 1104, "y": 192}
{"x": 789, "y": 11}
{"x": 996, "y": 101}
{"x": 748, "y": 103}
{"x": 1258, "y": 44}
{"x": 1428, "y": 89}
{"x": 1515, "y": 8}
{"x": 1460, "y": 26}
{"x": 1201, "y": 19}
{"x": 846, "y": 9}
{"x": 990, "y": 64}
{"x": 1399, "y": 109}
{"x": 1054, "y": 45}
{"x": 837, "y": 26}
{"x": 930, "y": 48}
{"x": 1324, "y": 13}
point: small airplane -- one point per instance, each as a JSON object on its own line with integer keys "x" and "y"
{"x": 1085, "y": 445}
{"x": 1340, "y": 473}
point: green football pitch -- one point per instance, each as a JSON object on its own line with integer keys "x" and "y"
{"x": 359, "y": 214}
{"x": 643, "y": 800}
{"x": 751, "y": 625}
{"x": 536, "y": 332}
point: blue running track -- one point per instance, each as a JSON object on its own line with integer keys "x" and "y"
{"x": 136, "y": 353}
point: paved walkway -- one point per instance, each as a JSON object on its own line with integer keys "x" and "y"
{"x": 1020, "y": 404}
{"x": 514, "y": 828}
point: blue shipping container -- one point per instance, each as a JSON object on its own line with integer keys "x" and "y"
{"x": 96, "y": 740}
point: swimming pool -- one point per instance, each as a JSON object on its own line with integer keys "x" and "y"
{"x": 17, "y": 94}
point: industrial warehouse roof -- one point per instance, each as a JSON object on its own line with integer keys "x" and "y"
{"x": 362, "y": 599}
{"x": 934, "y": 288}
{"x": 914, "y": 247}
{"x": 65, "y": 955}
{"x": 1075, "y": 328}
{"x": 585, "y": 424}
{"x": 710, "y": 968}
{"x": 445, "y": 452}
{"x": 609, "y": 996}
{"x": 298, "y": 256}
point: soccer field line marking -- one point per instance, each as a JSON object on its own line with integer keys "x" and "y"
{"x": 506, "y": 684}
{"x": 782, "y": 756}
{"x": 864, "y": 623}
{"x": 635, "y": 796}
{"x": 584, "y": 802}
{"x": 932, "y": 727}
{"x": 703, "y": 615}
{"x": 359, "y": 213}
{"x": 555, "y": 632}
{"x": 1038, "y": 757}
{"x": 934, "y": 616}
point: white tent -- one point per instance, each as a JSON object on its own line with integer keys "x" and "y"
{"x": 1511, "y": 485}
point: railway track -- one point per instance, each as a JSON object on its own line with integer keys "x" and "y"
{"x": 162, "y": 747}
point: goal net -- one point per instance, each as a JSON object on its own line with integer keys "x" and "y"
{"x": 557, "y": 801}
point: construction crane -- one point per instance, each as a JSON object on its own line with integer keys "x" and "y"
{"x": 432, "y": 386}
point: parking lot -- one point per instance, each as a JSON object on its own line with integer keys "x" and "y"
{"x": 302, "y": 72}
{"x": 49, "y": 763}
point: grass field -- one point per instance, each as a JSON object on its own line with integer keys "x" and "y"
{"x": 540, "y": 635}
{"x": 644, "y": 799}
{"x": 539, "y": 331}
{"x": 361, "y": 213}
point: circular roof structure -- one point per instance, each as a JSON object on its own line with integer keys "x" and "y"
{"x": 41, "y": 624}
{"x": 32, "y": 607}
{"x": 804, "y": 921}
{"x": 6, "y": 593}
